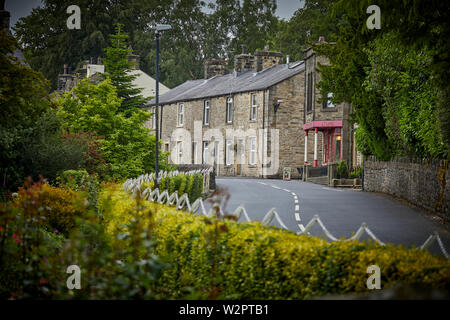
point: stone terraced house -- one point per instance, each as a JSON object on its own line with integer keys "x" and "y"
{"x": 256, "y": 120}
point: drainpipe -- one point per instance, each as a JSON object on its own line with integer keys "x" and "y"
{"x": 263, "y": 127}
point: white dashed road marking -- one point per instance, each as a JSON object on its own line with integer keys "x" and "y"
{"x": 297, "y": 206}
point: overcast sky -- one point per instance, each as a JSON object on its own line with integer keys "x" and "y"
{"x": 22, "y": 8}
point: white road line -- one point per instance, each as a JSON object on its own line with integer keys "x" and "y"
{"x": 293, "y": 193}
{"x": 297, "y": 207}
{"x": 295, "y": 200}
{"x": 302, "y": 228}
{"x": 295, "y": 197}
{"x": 297, "y": 217}
{"x": 287, "y": 190}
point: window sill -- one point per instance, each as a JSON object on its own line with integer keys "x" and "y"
{"x": 253, "y": 166}
{"x": 329, "y": 109}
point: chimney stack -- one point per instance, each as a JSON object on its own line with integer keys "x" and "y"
{"x": 215, "y": 67}
{"x": 4, "y": 16}
{"x": 65, "y": 69}
{"x": 266, "y": 58}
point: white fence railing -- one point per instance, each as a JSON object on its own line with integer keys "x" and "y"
{"x": 133, "y": 186}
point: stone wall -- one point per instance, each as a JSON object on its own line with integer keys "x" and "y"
{"x": 424, "y": 184}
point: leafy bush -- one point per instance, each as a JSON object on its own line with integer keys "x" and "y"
{"x": 127, "y": 145}
{"x": 58, "y": 207}
{"x": 197, "y": 187}
{"x": 34, "y": 261}
{"x": 81, "y": 180}
{"x": 225, "y": 259}
{"x": 190, "y": 184}
{"x": 342, "y": 170}
{"x": 357, "y": 173}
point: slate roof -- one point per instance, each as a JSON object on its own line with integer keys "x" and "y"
{"x": 229, "y": 84}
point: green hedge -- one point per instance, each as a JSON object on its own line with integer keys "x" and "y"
{"x": 225, "y": 259}
{"x": 190, "y": 184}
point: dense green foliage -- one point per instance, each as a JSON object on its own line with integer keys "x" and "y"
{"x": 196, "y": 34}
{"x": 396, "y": 77}
{"x": 126, "y": 145}
{"x": 304, "y": 28}
{"x": 117, "y": 68}
{"x": 31, "y": 142}
{"x": 223, "y": 259}
{"x": 133, "y": 249}
{"x": 34, "y": 258}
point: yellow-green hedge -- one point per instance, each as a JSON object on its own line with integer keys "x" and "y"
{"x": 226, "y": 259}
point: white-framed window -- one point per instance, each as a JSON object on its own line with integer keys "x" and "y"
{"x": 229, "y": 110}
{"x": 205, "y": 152}
{"x": 153, "y": 118}
{"x": 194, "y": 152}
{"x": 179, "y": 152}
{"x": 180, "y": 114}
{"x": 327, "y": 103}
{"x": 252, "y": 151}
{"x": 254, "y": 107}
{"x": 206, "y": 111}
{"x": 228, "y": 152}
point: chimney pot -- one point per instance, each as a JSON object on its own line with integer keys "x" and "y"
{"x": 244, "y": 48}
{"x": 4, "y": 16}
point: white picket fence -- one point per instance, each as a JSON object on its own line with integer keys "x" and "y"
{"x": 133, "y": 186}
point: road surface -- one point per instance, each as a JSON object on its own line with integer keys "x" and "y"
{"x": 341, "y": 210}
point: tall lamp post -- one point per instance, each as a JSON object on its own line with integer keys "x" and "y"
{"x": 159, "y": 28}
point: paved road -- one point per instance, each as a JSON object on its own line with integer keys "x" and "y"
{"x": 341, "y": 210}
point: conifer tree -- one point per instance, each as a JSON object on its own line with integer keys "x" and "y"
{"x": 118, "y": 68}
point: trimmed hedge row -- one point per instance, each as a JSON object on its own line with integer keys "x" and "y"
{"x": 230, "y": 260}
{"x": 192, "y": 184}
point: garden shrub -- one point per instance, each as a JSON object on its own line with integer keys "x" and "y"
{"x": 230, "y": 260}
{"x": 197, "y": 187}
{"x": 182, "y": 183}
{"x": 33, "y": 260}
{"x": 81, "y": 180}
{"x": 60, "y": 207}
{"x": 342, "y": 170}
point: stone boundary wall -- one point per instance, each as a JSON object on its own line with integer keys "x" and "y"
{"x": 425, "y": 184}
{"x": 189, "y": 167}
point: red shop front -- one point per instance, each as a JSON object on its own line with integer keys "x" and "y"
{"x": 332, "y": 140}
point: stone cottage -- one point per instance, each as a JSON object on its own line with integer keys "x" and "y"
{"x": 259, "y": 119}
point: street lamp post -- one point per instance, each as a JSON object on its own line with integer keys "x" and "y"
{"x": 159, "y": 28}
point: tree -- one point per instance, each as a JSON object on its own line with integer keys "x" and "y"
{"x": 30, "y": 134}
{"x": 49, "y": 44}
{"x": 421, "y": 26}
{"x": 305, "y": 27}
{"x": 117, "y": 68}
{"x": 127, "y": 146}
